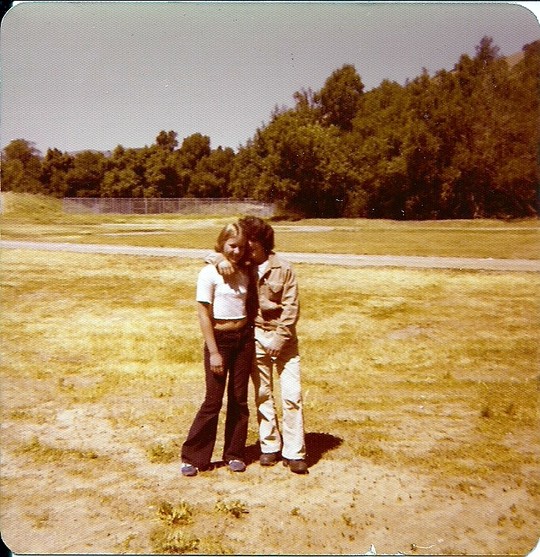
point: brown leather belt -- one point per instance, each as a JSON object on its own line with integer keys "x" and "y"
{"x": 230, "y": 324}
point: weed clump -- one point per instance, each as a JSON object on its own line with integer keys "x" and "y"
{"x": 173, "y": 515}
{"x": 173, "y": 542}
{"x": 161, "y": 454}
{"x": 235, "y": 508}
{"x": 171, "y": 538}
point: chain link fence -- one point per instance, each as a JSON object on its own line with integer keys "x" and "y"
{"x": 157, "y": 206}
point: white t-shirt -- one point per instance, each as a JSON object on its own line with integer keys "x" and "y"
{"x": 227, "y": 295}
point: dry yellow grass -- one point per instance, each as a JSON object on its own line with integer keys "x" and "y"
{"x": 32, "y": 217}
{"x": 421, "y": 413}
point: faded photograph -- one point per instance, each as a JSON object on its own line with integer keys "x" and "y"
{"x": 270, "y": 278}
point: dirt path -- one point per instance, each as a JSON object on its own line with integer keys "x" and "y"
{"x": 317, "y": 258}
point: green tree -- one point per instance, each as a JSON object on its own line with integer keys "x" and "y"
{"x": 85, "y": 176}
{"x": 295, "y": 161}
{"x": 211, "y": 177}
{"x": 121, "y": 182}
{"x": 161, "y": 175}
{"x": 517, "y": 181}
{"x": 339, "y": 99}
{"x": 194, "y": 148}
{"x": 421, "y": 150}
{"x": 21, "y": 167}
{"x": 246, "y": 170}
{"x": 492, "y": 170}
{"x": 167, "y": 140}
{"x": 124, "y": 173}
{"x": 54, "y": 169}
{"x": 376, "y": 150}
{"x": 462, "y": 144}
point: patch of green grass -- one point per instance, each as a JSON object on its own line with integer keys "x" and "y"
{"x": 174, "y": 535}
{"x": 171, "y": 537}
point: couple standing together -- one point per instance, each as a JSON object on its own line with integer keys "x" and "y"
{"x": 248, "y": 307}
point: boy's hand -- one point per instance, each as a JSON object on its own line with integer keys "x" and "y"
{"x": 274, "y": 347}
{"x": 225, "y": 268}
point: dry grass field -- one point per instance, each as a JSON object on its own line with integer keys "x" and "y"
{"x": 421, "y": 402}
{"x": 32, "y": 217}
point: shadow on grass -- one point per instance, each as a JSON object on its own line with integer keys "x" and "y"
{"x": 317, "y": 445}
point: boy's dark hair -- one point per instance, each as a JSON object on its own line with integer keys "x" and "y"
{"x": 258, "y": 230}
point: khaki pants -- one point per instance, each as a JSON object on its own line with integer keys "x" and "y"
{"x": 291, "y": 440}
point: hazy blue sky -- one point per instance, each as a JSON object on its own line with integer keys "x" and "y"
{"x": 93, "y": 75}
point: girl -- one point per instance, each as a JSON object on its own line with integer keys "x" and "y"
{"x": 228, "y": 351}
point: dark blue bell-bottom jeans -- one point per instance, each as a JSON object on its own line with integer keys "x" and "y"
{"x": 237, "y": 349}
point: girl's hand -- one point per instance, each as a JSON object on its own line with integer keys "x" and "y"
{"x": 216, "y": 364}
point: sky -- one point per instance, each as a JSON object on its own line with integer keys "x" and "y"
{"x": 95, "y": 75}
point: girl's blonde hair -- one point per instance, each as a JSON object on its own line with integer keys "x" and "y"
{"x": 231, "y": 230}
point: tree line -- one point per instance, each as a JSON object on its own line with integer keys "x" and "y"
{"x": 459, "y": 144}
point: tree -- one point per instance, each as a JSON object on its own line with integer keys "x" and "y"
{"x": 462, "y": 144}
{"x": 211, "y": 177}
{"x": 21, "y": 167}
{"x": 375, "y": 147}
{"x": 246, "y": 170}
{"x": 193, "y": 149}
{"x": 492, "y": 166}
{"x": 519, "y": 173}
{"x": 297, "y": 162}
{"x": 121, "y": 182}
{"x": 124, "y": 173}
{"x": 85, "y": 176}
{"x": 340, "y": 97}
{"x": 54, "y": 169}
{"x": 167, "y": 140}
{"x": 161, "y": 175}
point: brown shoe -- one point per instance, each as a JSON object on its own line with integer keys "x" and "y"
{"x": 269, "y": 459}
{"x": 297, "y": 466}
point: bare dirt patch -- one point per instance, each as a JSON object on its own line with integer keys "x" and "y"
{"x": 101, "y": 494}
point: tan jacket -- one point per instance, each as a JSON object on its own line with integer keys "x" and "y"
{"x": 279, "y": 307}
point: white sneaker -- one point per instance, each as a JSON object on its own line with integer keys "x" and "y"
{"x": 237, "y": 466}
{"x": 189, "y": 469}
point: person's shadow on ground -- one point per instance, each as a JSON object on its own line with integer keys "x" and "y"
{"x": 317, "y": 445}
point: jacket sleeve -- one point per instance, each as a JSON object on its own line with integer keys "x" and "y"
{"x": 290, "y": 307}
{"x": 214, "y": 258}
